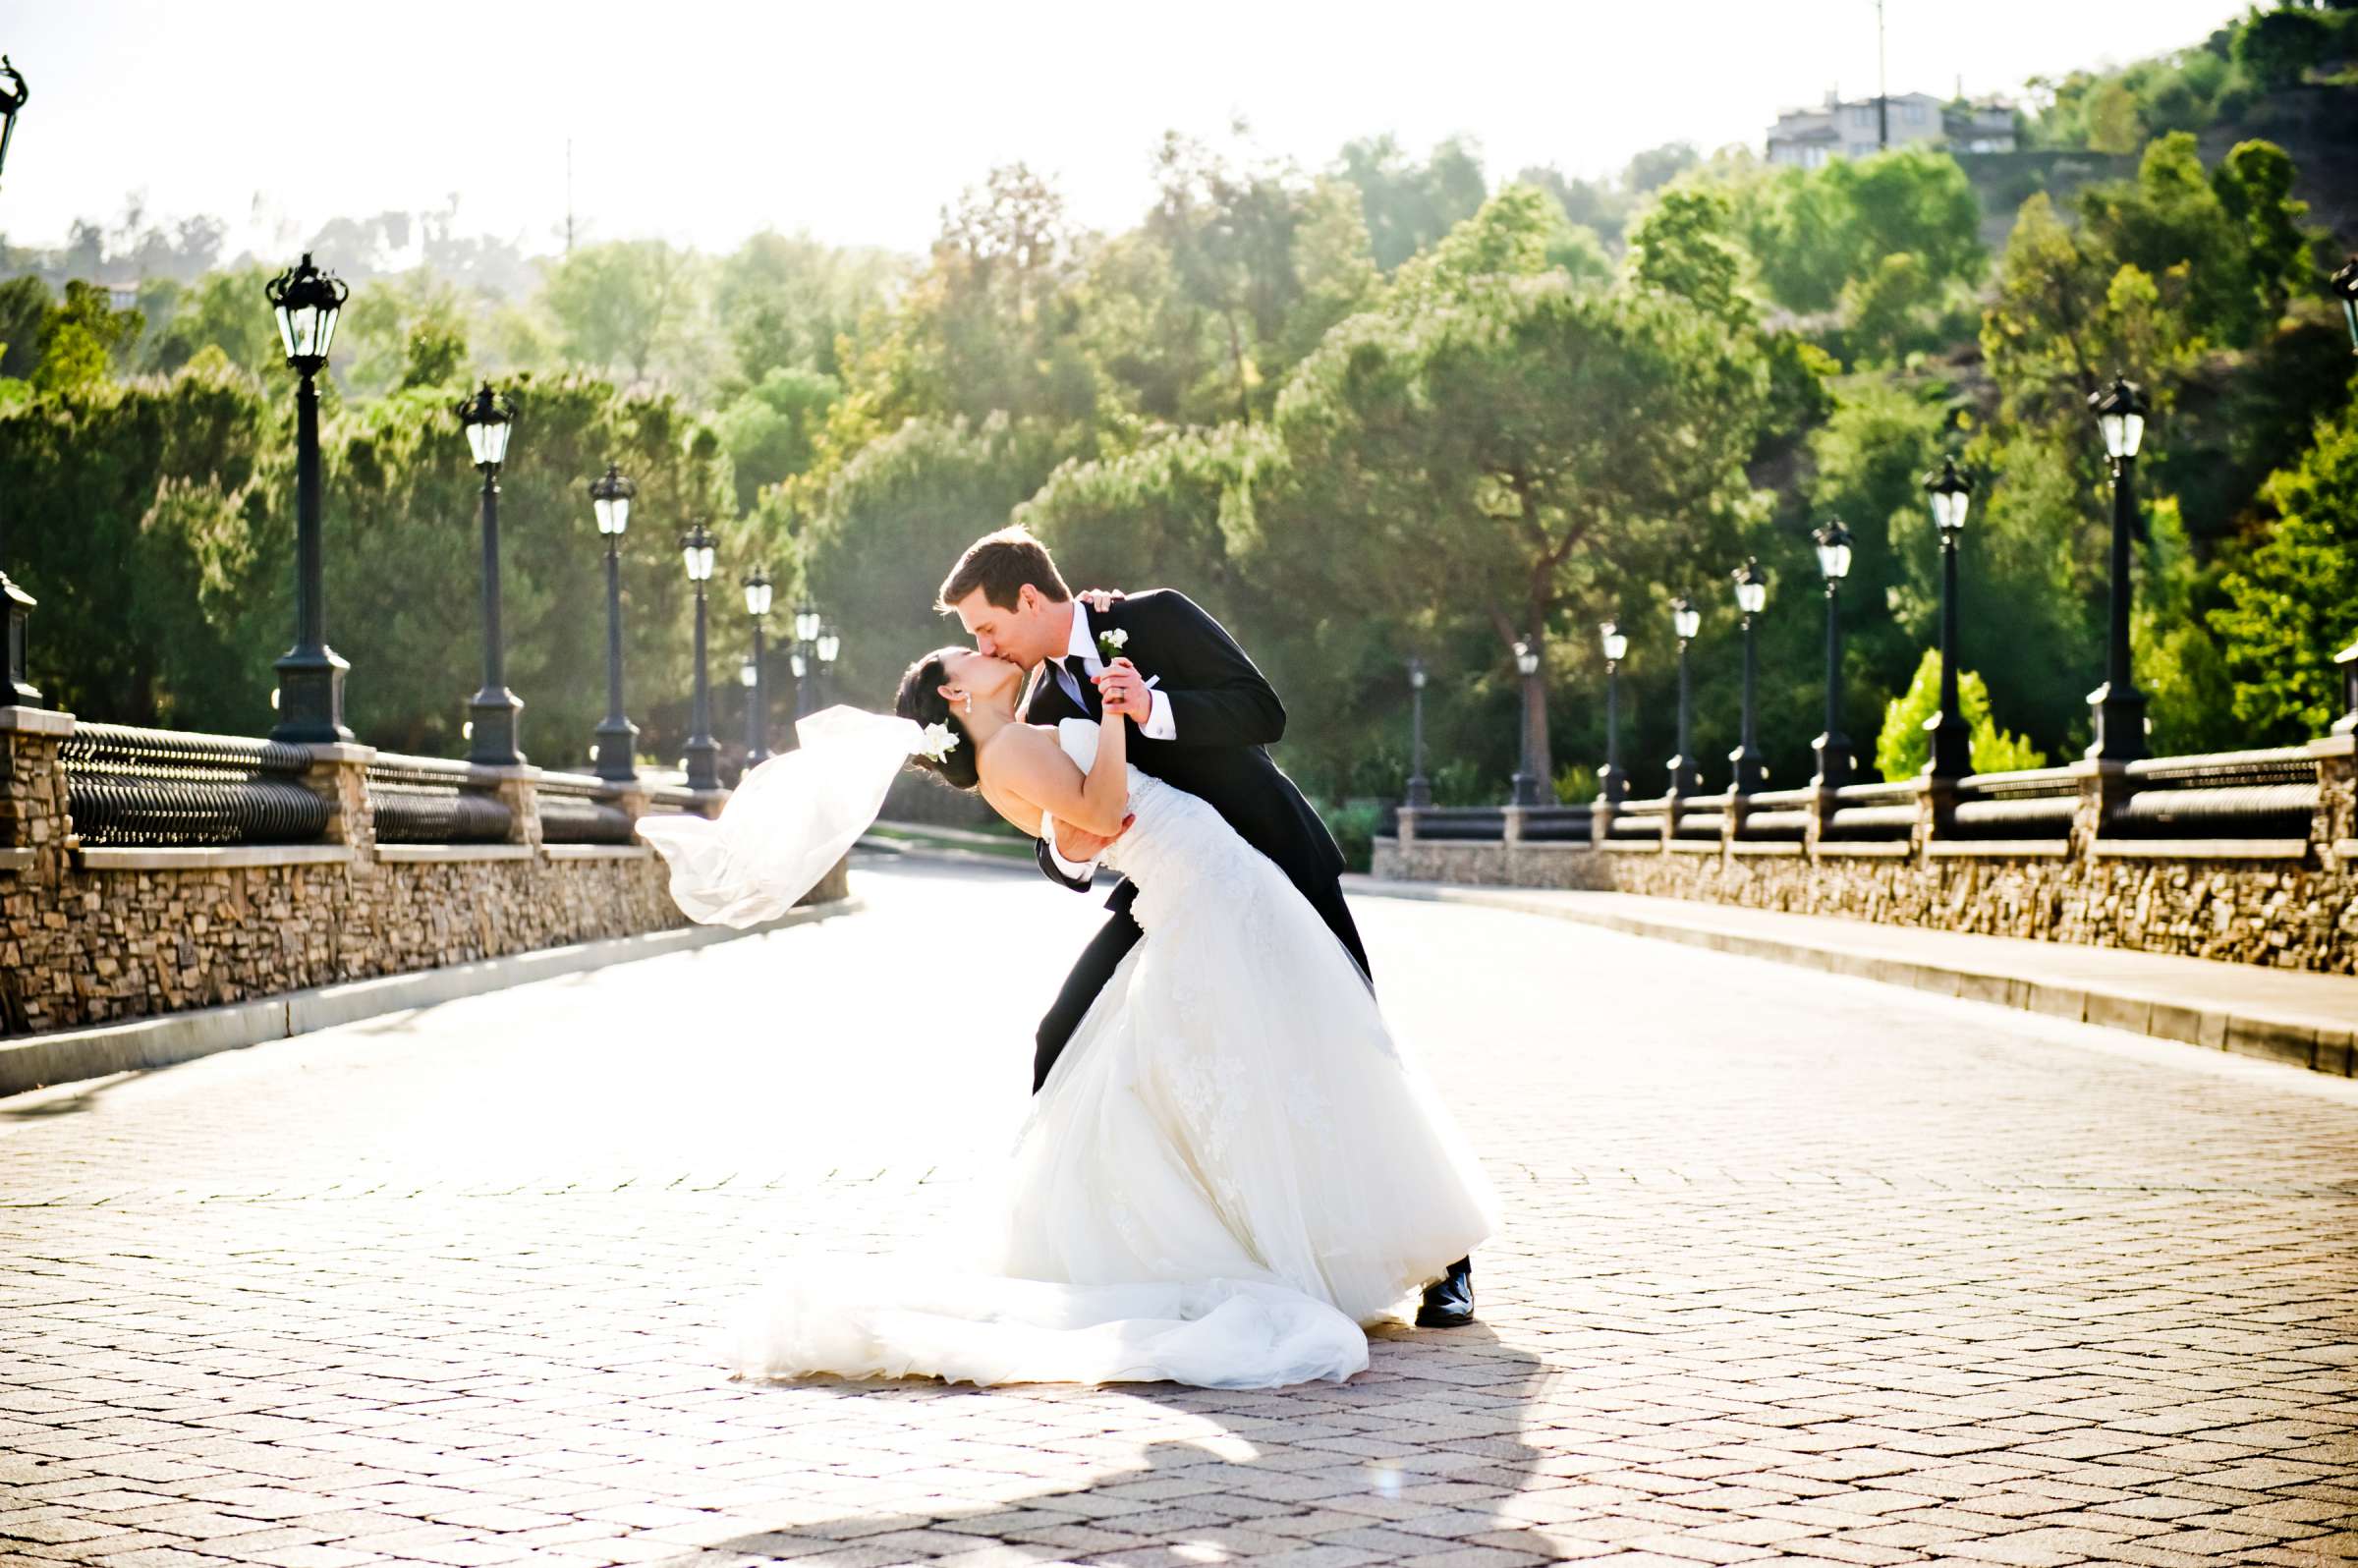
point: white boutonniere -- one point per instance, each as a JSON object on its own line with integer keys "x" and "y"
{"x": 1111, "y": 642}
{"x": 939, "y": 742}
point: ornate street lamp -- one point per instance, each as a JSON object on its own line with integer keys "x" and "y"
{"x": 617, "y": 745}
{"x": 748, "y": 676}
{"x": 1612, "y": 783}
{"x": 2345, "y": 289}
{"x": 13, "y": 93}
{"x": 307, "y": 304}
{"x": 1420, "y": 788}
{"x": 1526, "y": 778}
{"x": 702, "y": 752}
{"x": 806, "y": 622}
{"x": 1752, "y": 596}
{"x": 757, "y": 590}
{"x": 828, "y": 647}
{"x": 1835, "y": 761}
{"x": 489, "y": 417}
{"x": 1952, "y": 494}
{"x": 1685, "y": 777}
{"x": 2118, "y": 706}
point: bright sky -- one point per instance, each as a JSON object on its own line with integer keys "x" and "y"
{"x": 703, "y": 121}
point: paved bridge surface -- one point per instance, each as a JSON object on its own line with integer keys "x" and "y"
{"x": 1795, "y": 1267}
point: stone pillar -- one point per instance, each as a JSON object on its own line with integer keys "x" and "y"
{"x": 1514, "y": 823}
{"x": 1935, "y": 811}
{"x": 2335, "y": 829}
{"x": 339, "y": 775}
{"x": 1731, "y": 818}
{"x": 2102, "y": 785}
{"x": 1406, "y": 832}
{"x": 33, "y": 829}
{"x": 518, "y": 788}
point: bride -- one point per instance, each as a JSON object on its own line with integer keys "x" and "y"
{"x": 1229, "y": 1169}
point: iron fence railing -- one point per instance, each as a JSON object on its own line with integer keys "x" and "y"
{"x": 1472, "y": 823}
{"x": 1558, "y": 825}
{"x": 1871, "y": 813}
{"x": 431, "y": 800}
{"x": 2261, "y": 795}
{"x": 1776, "y": 815}
{"x": 128, "y": 786}
{"x": 1639, "y": 820}
{"x": 577, "y": 809}
{"x": 2032, "y": 803}
{"x": 2270, "y": 794}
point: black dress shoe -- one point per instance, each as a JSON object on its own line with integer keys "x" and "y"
{"x": 1449, "y": 1300}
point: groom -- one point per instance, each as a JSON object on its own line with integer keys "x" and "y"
{"x": 1213, "y": 716}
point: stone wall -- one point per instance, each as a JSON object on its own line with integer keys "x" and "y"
{"x": 2294, "y": 906}
{"x": 90, "y": 935}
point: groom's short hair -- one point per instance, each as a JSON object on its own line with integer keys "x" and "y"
{"x": 1001, "y": 564}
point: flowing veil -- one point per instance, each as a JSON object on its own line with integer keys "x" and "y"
{"x": 787, "y": 821}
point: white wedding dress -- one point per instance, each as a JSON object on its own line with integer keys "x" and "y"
{"x": 1228, "y": 1171}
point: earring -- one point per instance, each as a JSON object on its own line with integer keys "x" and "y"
{"x": 970, "y": 702}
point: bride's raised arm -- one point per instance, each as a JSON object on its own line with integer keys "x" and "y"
{"x": 1029, "y": 765}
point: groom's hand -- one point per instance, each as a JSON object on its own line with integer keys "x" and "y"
{"x": 1080, "y": 846}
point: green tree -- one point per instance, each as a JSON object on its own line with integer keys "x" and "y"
{"x": 771, "y": 430}
{"x": 627, "y": 306}
{"x": 81, "y": 339}
{"x": 2289, "y": 597}
{"x": 783, "y": 302}
{"x": 1902, "y": 747}
{"x": 1512, "y": 447}
{"x": 223, "y": 310}
{"x": 1409, "y": 205}
{"x": 890, "y": 523}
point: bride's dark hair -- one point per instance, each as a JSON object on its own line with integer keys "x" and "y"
{"x": 921, "y": 699}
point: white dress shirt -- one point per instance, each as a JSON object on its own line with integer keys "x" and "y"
{"x": 1160, "y": 725}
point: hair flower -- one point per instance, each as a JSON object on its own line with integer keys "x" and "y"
{"x": 939, "y": 742}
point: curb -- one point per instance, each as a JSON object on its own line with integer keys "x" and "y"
{"x": 70, "y": 1055}
{"x": 2296, "y": 1040}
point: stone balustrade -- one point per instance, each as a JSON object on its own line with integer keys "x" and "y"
{"x": 92, "y": 932}
{"x": 2247, "y": 857}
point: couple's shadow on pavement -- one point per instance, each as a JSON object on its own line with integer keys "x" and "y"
{"x": 1415, "y": 1454}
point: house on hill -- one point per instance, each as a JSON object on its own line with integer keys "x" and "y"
{"x": 1853, "y": 128}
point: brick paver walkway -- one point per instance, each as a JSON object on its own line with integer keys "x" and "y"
{"x": 1796, "y": 1268}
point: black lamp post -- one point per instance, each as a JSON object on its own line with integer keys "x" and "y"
{"x": 1612, "y": 783}
{"x": 805, "y": 655}
{"x": 2117, "y": 706}
{"x": 490, "y": 419}
{"x": 13, "y": 93}
{"x": 1526, "y": 778}
{"x": 1420, "y": 788}
{"x": 1752, "y": 596}
{"x": 617, "y": 745}
{"x": 2345, "y": 289}
{"x": 757, "y": 590}
{"x": 1952, "y": 494}
{"x": 828, "y": 645}
{"x": 20, "y": 691}
{"x": 748, "y": 676}
{"x": 310, "y": 676}
{"x": 1685, "y": 777}
{"x": 1835, "y": 760}
{"x": 702, "y": 752}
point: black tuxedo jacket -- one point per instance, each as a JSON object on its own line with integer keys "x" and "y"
{"x": 1226, "y": 714}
